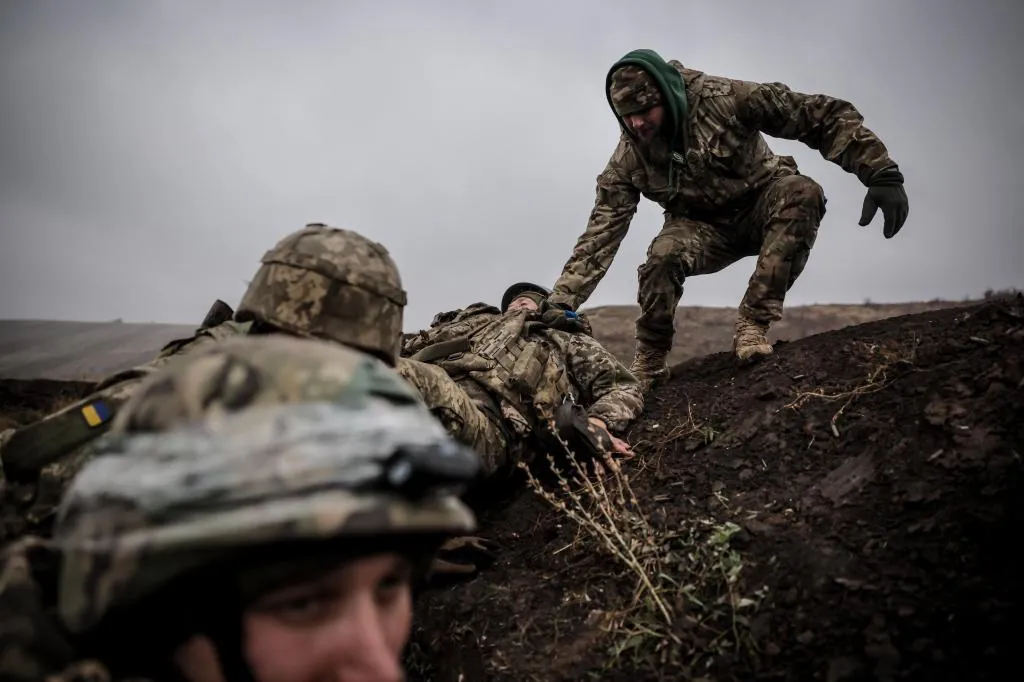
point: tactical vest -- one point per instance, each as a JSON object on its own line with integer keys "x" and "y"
{"x": 509, "y": 356}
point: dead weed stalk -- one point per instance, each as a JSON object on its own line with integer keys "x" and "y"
{"x": 688, "y": 601}
{"x": 611, "y": 513}
{"x": 883, "y": 363}
{"x": 688, "y": 428}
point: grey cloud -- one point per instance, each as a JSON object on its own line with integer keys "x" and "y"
{"x": 150, "y": 152}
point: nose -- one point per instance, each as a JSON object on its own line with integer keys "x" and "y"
{"x": 362, "y": 649}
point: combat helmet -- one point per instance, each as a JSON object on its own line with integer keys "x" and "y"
{"x": 520, "y": 288}
{"x": 266, "y": 443}
{"x": 329, "y": 283}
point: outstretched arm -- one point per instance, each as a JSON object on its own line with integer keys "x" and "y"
{"x": 610, "y": 391}
{"x": 614, "y": 206}
{"x": 832, "y": 126}
{"x": 836, "y": 129}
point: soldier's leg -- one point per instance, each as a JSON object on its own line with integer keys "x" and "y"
{"x": 682, "y": 249}
{"x": 459, "y": 557}
{"x": 458, "y": 412}
{"x": 786, "y": 219}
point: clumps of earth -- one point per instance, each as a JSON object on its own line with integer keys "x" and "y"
{"x": 847, "y": 509}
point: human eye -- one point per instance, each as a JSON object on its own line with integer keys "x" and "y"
{"x": 298, "y": 606}
{"x": 393, "y": 583}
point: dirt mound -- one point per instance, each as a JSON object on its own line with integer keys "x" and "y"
{"x": 704, "y": 330}
{"x": 847, "y": 509}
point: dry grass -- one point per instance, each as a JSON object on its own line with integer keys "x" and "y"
{"x": 885, "y": 365}
{"x": 612, "y": 514}
{"x": 23, "y": 403}
{"x": 688, "y": 604}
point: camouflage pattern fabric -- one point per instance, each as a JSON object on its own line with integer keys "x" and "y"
{"x": 319, "y": 281}
{"x": 256, "y": 440}
{"x": 163, "y": 504}
{"x": 727, "y": 166}
{"x": 330, "y": 283}
{"x": 780, "y": 229}
{"x": 523, "y": 373}
{"x": 258, "y": 370}
{"x": 63, "y": 438}
{"x": 460, "y": 413}
{"x": 633, "y": 90}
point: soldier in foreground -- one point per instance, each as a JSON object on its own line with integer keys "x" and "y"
{"x": 693, "y": 143}
{"x": 505, "y": 381}
{"x": 261, "y": 511}
{"x": 318, "y": 282}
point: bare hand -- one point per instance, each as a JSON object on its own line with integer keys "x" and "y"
{"x": 619, "y": 446}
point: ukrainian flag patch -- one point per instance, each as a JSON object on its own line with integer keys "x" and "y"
{"x": 96, "y": 413}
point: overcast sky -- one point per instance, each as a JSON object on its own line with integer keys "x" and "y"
{"x": 151, "y": 151}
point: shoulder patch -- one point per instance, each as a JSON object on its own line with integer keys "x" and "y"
{"x": 96, "y": 413}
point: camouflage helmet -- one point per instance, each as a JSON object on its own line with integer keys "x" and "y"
{"x": 253, "y": 443}
{"x": 330, "y": 283}
{"x": 523, "y": 289}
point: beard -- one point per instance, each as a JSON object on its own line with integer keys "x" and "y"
{"x": 657, "y": 150}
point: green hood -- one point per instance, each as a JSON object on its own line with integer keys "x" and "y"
{"x": 670, "y": 82}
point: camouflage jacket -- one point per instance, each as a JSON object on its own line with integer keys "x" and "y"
{"x": 43, "y": 456}
{"x": 500, "y": 353}
{"x": 33, "y": 645}
{"x": 726, "y": 164}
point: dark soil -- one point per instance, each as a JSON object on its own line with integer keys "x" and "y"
{"x": 23, "y": 402}
{"x": 877, "y": 533}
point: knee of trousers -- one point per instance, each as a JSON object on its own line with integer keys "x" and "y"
{"x": 801, "y": 198}
{"x": 664, "y": 262}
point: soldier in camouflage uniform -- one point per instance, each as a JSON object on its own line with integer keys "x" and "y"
{"x": 320, "y": 282}
{"x": 261, "y": 510}
{"x": 693, "y": 143}
{"x": 497, "y": 379}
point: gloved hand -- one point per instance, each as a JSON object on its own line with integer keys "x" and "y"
{"x": 560, "y": 317}
{"x": 885, "y": 191}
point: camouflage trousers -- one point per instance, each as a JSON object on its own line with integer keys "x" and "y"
{"x": 459, "y": 412}
{"x": 780, "y": 228}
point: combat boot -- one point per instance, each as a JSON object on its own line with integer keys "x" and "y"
{"x": 751, "y": 340}
{"x": 650, "y": 366}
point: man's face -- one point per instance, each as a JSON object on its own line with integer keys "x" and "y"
{"x": 348, "y": 624}
{"x": 523, "y": 303}
{"x": 645, "y": 124}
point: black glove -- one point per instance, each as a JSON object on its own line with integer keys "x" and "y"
{"x": 560, "y": 317}
{"x": 579, "y": 433}
{"x": 885, "y": 191}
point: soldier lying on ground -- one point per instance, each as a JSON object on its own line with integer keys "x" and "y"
{"x": 319, "y": 282}
{"x": 260, "y": 511}
{"x": 693, "y": 143}
{"x": 500, "y": 379}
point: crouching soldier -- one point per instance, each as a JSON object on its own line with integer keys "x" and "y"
{"x": 261, "y": 511}
{"x": 693, "y": 143}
